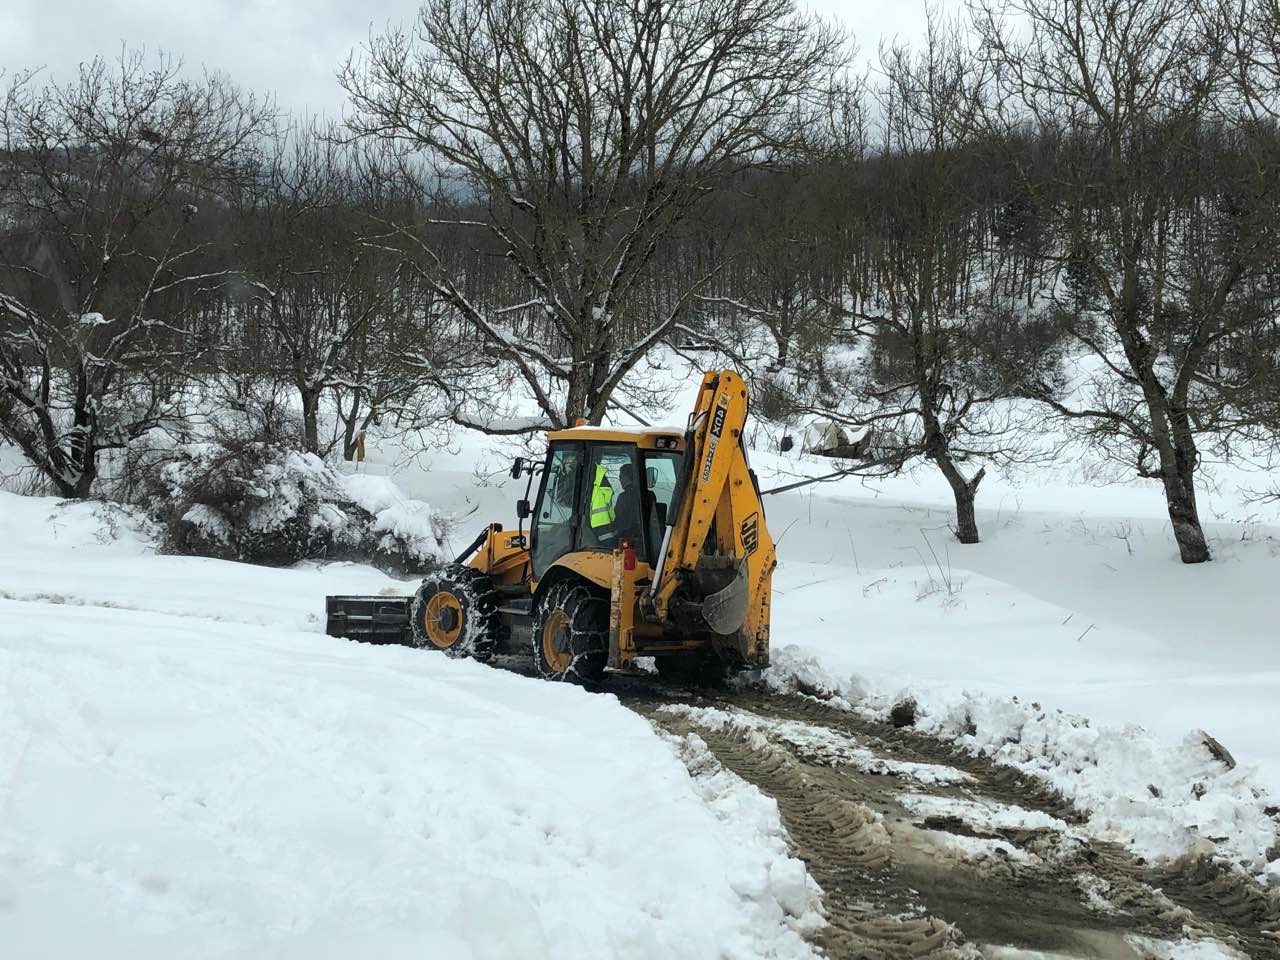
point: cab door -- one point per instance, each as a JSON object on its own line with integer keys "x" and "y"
{"x": 556, "y": 516}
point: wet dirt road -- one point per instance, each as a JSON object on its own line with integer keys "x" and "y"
{"x": 922, "y": 851}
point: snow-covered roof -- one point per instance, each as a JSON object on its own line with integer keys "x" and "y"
{"x": 643, "y": 436}
{"x": 637, "y": 431}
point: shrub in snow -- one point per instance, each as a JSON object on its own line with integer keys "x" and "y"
{"x": 237, "y": 498}
{"x": 772, "y": 401}
{"x": 405, "y": 536}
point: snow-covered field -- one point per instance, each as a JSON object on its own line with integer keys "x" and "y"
{"x": 189, "y": 767}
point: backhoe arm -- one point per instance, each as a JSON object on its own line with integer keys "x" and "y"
{"x": 716, "y": 531}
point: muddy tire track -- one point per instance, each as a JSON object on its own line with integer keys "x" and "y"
{"x": 1207, "y": 893}
{"x": 846, "y": 848}
{"x": 1001, "y": 783}
{"x": 1231, "y": 907}
{"x": 900, "y": 884}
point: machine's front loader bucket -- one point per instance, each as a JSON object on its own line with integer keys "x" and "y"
{"x": 726, "y": 609}
{"x": 368, "y": 619}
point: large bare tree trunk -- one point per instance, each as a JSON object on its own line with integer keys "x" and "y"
{"x": 963, "y": 489}
{"x": 1178, "y": 459}
{"x": 311, "y": 420}
{"x": 964, "y": 493}
{"x": 351, "y": 429}
{"x": 1181, "y": 498}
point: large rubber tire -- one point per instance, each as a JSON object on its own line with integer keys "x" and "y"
{"x": 691, "y": 670}
{"x": 571, "y": 633}
{"x": 456, "y": 611}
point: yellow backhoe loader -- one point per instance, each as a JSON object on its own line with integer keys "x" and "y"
{"x": 642, "y": 542}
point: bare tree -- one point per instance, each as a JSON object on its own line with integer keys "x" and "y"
{"x": 1255, "y": 360}
{"x": 934, "y": 366}
{"x": 373, "y": 381}
{"x": 320, "y": 298}
{"x": 785, "y": 268}
{"x": 1134, "y": 97}
{"x": 1257, "y": 55}
{"x": 583, "y": 133}
{"x": 105, "y": 189}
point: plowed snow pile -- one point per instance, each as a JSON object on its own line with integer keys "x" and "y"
{"x": 188, "y": 767}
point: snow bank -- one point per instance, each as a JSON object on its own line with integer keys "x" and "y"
{"x": 780, "y": 893}
{"x": 93, "y": 554}
{"x": 1152, "y": 949}
{"x": 1160, "y": 800}
{"x": 1146, "y": 948}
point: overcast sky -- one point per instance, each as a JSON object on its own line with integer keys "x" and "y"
{"x": 288, "y": 47}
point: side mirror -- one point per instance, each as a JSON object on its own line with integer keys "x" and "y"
{"x": 517, "y": 468}
{"x": 523, "y": 510}
{"x": 650, "y": 476}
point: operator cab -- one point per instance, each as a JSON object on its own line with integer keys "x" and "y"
{"x": 602, "y": 487}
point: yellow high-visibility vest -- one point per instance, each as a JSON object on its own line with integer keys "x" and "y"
{"x": 602, "y": 512}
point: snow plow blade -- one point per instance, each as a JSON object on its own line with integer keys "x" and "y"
{"x": 368, "y": 619}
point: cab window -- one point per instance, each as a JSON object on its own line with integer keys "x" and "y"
{"x": 660, "y": 486}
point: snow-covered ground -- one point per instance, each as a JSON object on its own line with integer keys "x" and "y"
{"x": 188, "y": 767}
{"x": 1051, "y": 647}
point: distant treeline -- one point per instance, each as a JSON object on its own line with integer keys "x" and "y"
{"x": 531, "y": 195}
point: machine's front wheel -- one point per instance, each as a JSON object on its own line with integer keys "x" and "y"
{"x": 571, "y": 633}
{"x": 456, "y": 611}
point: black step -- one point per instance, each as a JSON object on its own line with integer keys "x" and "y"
{"x": 517, "y": 608}
{"x": 511, "y": 589}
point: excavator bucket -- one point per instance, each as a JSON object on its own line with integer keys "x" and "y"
{"x": 726, "y": 609}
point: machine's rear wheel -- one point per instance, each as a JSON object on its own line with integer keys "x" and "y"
{"x": 692, "y": 670}
{"x": 571, "y": 633}
{"x": 456, "y": 611}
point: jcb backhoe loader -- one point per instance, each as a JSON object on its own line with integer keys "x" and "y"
{"x": 642, "y": 542}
